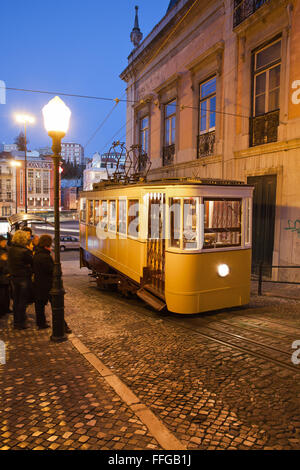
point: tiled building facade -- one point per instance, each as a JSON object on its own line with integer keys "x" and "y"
{"x": 214, "y": 92}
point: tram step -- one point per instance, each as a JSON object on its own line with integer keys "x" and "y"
{"x": 150, "y": 299}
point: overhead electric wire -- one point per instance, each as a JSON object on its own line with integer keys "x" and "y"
{"x": 117, "y": 100}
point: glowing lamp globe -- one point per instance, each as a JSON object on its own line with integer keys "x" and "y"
{"x": 56, "y": 117}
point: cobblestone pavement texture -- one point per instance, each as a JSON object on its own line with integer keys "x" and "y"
{"x": 210, "y": 395}
{"x": 51, "y": 398}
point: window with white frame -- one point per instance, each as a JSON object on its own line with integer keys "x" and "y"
{"x": 266, "y": 80}
{"x": 207, "y": 106}
{"x": 144, "y": 133}
{"x": 170, "y": 123}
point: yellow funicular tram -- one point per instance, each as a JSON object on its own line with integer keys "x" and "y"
{"x": 182, "y": 243}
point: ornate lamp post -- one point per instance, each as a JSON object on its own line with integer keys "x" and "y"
{"x": 25, "y": 119}
{"x": 56, "y": 119}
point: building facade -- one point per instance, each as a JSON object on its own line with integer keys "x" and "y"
{"x": 73, "y": 153}
{"x": 214, "y": 92}
{"x": 40, "y": 191}
{"x": 7, "y": 185}
{"x": 100, "y": 168}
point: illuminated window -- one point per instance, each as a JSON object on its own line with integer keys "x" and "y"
{"x": 122, "y": 216}
{"x": 46, "y": 185}
{"x": 30, "y": 181}
{"x": 38, "y": 182}
{"x": 112, "y": 216}
{"x": 91, "y": 212}
{"x": 222, "y": 223}
{"x": 103, "y": 215}
{"x": 133, "y": 217}
{"x": 97, "y": 213}
{"x": 83, "y": 210}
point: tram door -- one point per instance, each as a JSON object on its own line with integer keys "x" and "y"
{"x": 156, "y": 242}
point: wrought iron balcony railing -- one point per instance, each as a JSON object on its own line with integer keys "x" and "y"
{"x": 245, "y": 8}
{"x": 263, "y": 129}
{"x": 206, "y": 144}
{"x": 168, "y": 154}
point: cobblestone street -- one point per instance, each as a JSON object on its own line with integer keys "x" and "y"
{"x": 217, "y": 381}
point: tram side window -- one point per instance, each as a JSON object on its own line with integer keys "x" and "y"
{"x": 175, "y": 221}
{"x": 103, "y": 215}
{"x": 83, "y": 211}
{"x": 122, "y": 216}
{"x": 91, "y": 213}
{"x": 97, "y": 213}
{"x": 133, "y": 217}
{"x": 189, "y": 224}
{"x": 222, "y": 223}
{"x": 248, "y": 208}
{"x": 112, "y": 216}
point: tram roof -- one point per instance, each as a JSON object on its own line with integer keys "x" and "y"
{"x": 168, "y": 181}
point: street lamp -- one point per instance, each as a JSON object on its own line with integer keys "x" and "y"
{"x": 56, "y": 119}
{"x": 16, "y": 164}
{"x": 25, "y": 119}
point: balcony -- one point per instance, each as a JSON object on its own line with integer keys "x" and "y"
{"x": 263, "y": 129}
{"x": 206, "y": 144}
{"x": 168, "y": 155}
{"x": 245, "y": 8}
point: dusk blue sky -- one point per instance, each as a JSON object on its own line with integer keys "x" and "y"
{"x": 69, "y": 46}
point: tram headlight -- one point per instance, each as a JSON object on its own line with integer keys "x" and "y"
{"x": 223, "y": 270}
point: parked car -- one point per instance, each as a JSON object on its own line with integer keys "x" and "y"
{"x": 69, "y": 243}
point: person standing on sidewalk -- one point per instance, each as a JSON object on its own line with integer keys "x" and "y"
{"x": 4, "y": 284}
{"x": 43, "y": 275}
{"x": 43, "y": 266}
{"x": 20, "y": 268}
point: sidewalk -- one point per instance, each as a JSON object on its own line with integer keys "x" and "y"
{"x": 52, "y": 398}
{"x": 289, "y": 291}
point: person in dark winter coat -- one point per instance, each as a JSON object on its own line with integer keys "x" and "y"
{"x": 4, "y": 284}
{"x": 43, "y": 266}
{"x": 20, "y": 269}
{"x": 43, "y": 274}
{"x": 3, "y": 245}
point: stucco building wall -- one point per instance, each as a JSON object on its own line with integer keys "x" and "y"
{"x": 188, "y": 47}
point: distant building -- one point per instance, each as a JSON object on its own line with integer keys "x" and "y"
{"x": 45, "y": 151}
{"x": 10, "y": 147}
{"x": 69, "y": 193}
{"x": 73, "y": 153}
{"x": 7, "y": 184}
{"x": 99, "y": 168}
{"x": 40, "y": 194}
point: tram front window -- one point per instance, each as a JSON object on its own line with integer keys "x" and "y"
{"x": 222, "y": 223}
{"x": 175, "y": 222}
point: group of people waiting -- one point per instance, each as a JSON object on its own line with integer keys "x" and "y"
{"x": 26, "y": 273}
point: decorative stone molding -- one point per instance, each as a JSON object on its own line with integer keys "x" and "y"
{"x": 283, "y": 146}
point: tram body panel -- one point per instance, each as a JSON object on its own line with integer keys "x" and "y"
{"x": 193, "y": 284}
{"x": 126, "y": 255}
